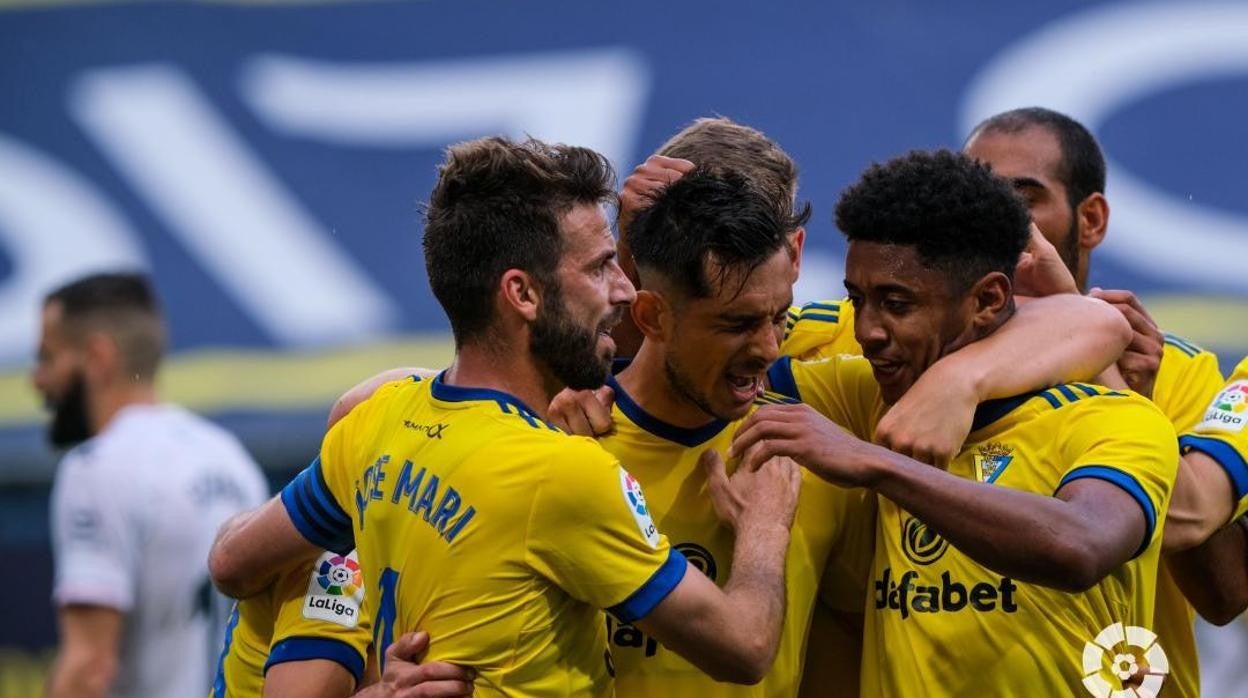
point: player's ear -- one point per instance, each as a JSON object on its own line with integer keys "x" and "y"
{"x": 101, "y": 356}
{"x": 518, "y": 292}
{"x": 990, "y": 297}
{"x": 797, "y": 242}
{"x": 651, "y": 314}
{"x": 1093, "y": 214}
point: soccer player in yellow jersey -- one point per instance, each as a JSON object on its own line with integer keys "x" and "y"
{"x": 1028, "y": 568}
{"x": 303, "y": 636}
{"x": 1056, "y": 164}
{"x": 480, "y": 522}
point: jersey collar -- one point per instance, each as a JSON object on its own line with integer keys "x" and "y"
{"x": 682, "y": 435}
{"x": 453, "y": 393}
{"x": 992, "y": 410}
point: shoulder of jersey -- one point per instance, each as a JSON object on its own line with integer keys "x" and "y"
{"x": 1179, "y": 346}
{"x": 824, "y": 311}
{"x": 1086, "y": 395}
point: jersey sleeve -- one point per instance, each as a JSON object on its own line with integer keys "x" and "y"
{"x": 841, "y": 388}
{"x": 590, "y": 532}
{"x": 1188, "y": 379}
{"x": 95, "y": 536}
{"x": 820, "y": 329}
{"x": 1221, "y": 434}
{"x": 1126, "y": 441}
{"x": 320, "y": 614}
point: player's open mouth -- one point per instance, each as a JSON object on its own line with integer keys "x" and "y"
{"x": 884, "y": 368}
{"x": 745, "y": 388}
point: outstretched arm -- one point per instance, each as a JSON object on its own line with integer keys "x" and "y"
{"x": 1051, "y": 340}
{"x": 1067, "y": 541}
{"x": 252, "y": 546}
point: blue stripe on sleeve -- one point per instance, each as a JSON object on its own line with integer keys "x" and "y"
{"x": 325, "y": 497}
{"x": 660, "y": 584}
{"x": 297, "y": 649}
{"x": 1087, "y": 389}
{"x": 1225, "y": 455}
{"x": 332, "y": 532}
{"x": 1129, "y": 484}
{"x": 1070, "y": 394}
{"x": 816, "y": 305}
{"x": 780, "y": 377}
{"x": 1053, "y": 401}
{"x": 821, "y": 317}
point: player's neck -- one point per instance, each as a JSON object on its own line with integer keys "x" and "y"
{"x": 646, "y": 382}
{"x": 513, "y": 373}
{"x": 104, "y": 404}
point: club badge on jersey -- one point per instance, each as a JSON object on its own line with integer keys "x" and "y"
{"x": 335, "y": 590}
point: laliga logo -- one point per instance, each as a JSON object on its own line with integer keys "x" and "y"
{"x": 632, "y": 490}
{"x": 340, "y": 576}
{"x": 1234, "y": 398}
{"x": 1124, "y": 662}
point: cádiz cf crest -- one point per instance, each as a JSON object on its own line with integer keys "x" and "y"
{"x": 991, "y": 460}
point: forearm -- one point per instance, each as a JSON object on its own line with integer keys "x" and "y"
{"x": 756, "y": 591}
{"x": 251, "y": 548}
{"x": 1200, "y": 504}
{"x": 74, "y": 676}
{"x": 1079, "y": 338}
{"x": 1214, "y": 575}
{"x": 1024, "y": 536}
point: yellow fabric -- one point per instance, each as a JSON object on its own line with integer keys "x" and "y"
{"x": 1187, "y": 380}
{"x": 820, "y": 329}
{"x": 827, "y": 532}
{"x": 496, "y": 533}
{"x": 1223, "y": 433}
{"x": 940, "y": 624}
{"x": 290, "y": 610}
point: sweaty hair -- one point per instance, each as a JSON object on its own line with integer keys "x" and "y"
{"x": 720, "y": 145}
{"x": 963, "y": 220}
{"x": 1082, "y": 169}
{"x": 497, "y": 205}
{"x": 123, "y": 306}
{"x": 702, "y": 217}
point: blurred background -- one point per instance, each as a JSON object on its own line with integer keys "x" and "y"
{"x": 265, "y": 162}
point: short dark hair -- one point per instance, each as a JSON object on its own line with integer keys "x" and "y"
{"x": 720, "y": 145}
{"x": 1082, "y": 169}
{"x": 122, "y": 304}
{"x": 703, "y": 216}
{"x": 496, "y": 206}
{"x": 961, "y": 218}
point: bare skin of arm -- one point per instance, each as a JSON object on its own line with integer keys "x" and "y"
{"x": 1214, "y": 575}
{"x": 308, "y": 678}
{"x": 733, "y": 634}
{"x": 1081, "y": 337}
{"x": 86, "y": 661}
{"x": 362, "y": 390}
{"x": 252, "y": 546}
{"x": 1068, "y": 541}
{"x": 1202, "y": 503}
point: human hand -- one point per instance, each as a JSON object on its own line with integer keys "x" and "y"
{"x": 1040, "y": 270}
{"x": 406, "y": 677}
{"x": 752, "y": 496}
{"x": 932, "y": 420}
{"x": 801, "y": 433}
{"x": 646, "y": 181}
{"x": 583, "y": 412}
{"x": 1142, "y": 359}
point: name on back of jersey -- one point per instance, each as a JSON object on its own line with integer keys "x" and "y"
{"x": 335, "y": 590}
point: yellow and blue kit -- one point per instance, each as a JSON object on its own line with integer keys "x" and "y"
{"x": 1221, "y": 434}
{"x": 820, "y": 329}
{"x": 831, "y": 537}
{"x": 314, "y": 610}
{"x": 501, "y": 536}
{"x": 1186, "y": 381}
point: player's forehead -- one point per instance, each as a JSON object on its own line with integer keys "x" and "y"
{"x": 742, "y": 293}
{"x": 586, "y": 233}
{"x": 873, "y": 267}
{"x": 1031, "y": 152}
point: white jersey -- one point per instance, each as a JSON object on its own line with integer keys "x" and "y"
{"x": 134, "y": 512}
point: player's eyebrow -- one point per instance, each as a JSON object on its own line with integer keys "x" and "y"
{"x": 1030, "y": 182}
{"x": 606, "y": 256}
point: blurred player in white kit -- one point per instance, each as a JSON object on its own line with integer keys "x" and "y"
{"x": 135, "y": 503}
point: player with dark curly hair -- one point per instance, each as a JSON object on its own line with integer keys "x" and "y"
{"x": 1015, "y": 570}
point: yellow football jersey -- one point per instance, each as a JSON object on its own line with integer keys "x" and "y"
{"x": 831, "y": 535}
{"x": 1187, "y": 380}
{"x": 820, "y": 329}
{"x": 314, "y": 610}
{"x": 1221, "y": 434}
{"x": 941, "y": 624}
{"x": 495, "y": 532}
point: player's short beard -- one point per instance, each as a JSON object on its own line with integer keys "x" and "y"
{"x": 70, "y": 425}
{"x": 569, "y": 350}
{"x": 1069, "y": 250}
{"x": 684, "y": 388}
